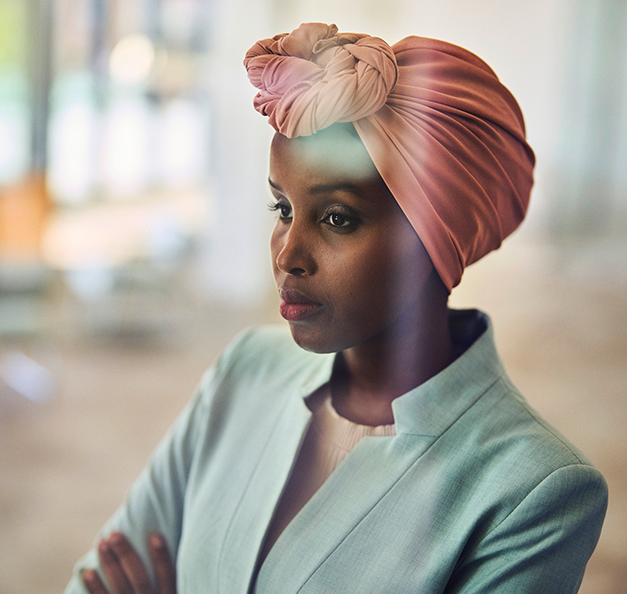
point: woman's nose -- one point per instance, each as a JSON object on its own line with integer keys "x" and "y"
{"x": 295, "y": 255}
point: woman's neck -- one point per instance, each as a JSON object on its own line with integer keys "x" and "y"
{"x": 370, "y": 376}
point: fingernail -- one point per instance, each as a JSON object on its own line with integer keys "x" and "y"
{"x": 156, "y": 540}
{"x": 103, "y": 547}
{"x": 87, "y": 575}
{"x": 115, "y": 538}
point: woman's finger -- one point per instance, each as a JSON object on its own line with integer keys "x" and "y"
{"x": 92, "y": 582}
{"x": 132, "y": 567}
{"x": 162, "y": 564}
{"x": 113, "y": 570}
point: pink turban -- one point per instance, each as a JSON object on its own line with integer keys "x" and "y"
{"x": 446, "y": 136}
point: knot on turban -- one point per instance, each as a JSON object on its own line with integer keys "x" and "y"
{"x": 315, "y": 76}
{"x": 444, "y": 133}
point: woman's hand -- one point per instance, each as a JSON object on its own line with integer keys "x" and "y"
{"x": 125, "y": 570}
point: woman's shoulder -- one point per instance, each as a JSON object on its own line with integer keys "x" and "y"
{"x": 484, "y": 420}
{"x": 512, "y": 441}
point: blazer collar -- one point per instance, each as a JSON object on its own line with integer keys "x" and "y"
{"x": 434, "y": 406}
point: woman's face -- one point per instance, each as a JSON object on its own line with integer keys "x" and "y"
{"x": 349, "y": 267}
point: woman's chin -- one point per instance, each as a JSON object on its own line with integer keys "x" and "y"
{"x": 313, "y": 340}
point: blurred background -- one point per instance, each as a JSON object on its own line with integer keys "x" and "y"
{"x": 133, "y": 236}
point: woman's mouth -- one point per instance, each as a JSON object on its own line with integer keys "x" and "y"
{"x": 295, "y": 306}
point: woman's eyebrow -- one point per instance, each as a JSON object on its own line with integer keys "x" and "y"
{"x": 326, "y": 188}
{"x": 337, "y": 187}
{"x": 273, "y": 185}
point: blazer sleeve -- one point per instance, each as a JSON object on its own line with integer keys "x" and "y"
{"x": 543, "y": 545}
{"x": 156, "y": 500}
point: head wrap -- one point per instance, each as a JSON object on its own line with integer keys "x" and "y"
{"x": 446, "y": 136}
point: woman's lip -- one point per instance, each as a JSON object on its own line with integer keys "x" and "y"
{"x": 295, "y": 306}
{"x": 292, "y": 296}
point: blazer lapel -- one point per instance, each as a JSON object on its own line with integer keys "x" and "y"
{"x": 248, "y": 526}
{"x": 345, "y": 499}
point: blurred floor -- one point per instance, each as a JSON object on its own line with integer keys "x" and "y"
{"x": 66, "y": 463}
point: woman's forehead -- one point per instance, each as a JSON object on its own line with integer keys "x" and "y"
{"x": 336, "y": 151}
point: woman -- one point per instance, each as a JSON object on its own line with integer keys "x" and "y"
{"x": 390, "y": 452}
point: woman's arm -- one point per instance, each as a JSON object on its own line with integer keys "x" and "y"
{"x": 155, "y": 502}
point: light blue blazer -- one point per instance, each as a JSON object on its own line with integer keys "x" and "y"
{"x": 475, "y": 493}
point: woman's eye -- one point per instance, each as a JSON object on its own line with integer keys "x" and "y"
{"x": 339, "y": 220}
{"x": 285, "y": 211}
